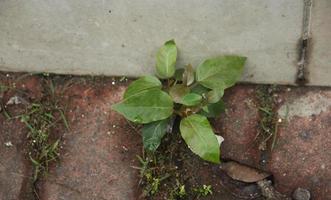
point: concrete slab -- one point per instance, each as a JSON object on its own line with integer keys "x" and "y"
{"x": 121, "y": 37}
{"x": 320, "y": 61}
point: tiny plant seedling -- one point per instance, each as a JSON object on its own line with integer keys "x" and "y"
{"x": 203, "y": 191}
{"x": 193, "y": 95}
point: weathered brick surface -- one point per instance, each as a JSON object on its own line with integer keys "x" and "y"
{"x": 99, "y": 150}
{"x": 239, "y": 125}
{"x": 12, "y": 160}
{"x": 301, "y": 157}
{"x": 15, "y": 168}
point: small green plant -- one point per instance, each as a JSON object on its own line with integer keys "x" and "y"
{"x": 152, "y": 183}
{"x": 193, "y": 95}
{"x": 151, "y": 180}
{"x": 203, "y": 191}
{"x": 179, "y": 191}
{"x": 41, "y": 117}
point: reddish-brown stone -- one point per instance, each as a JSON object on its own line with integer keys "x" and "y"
{"x": 98, "y": 152}
{"x": 302, "y": 156}
{"x": 15, "y": 168}
{"x": 239, "y": 125}
{"x": 15, "y": 171}
{"x": 100, "y": 148}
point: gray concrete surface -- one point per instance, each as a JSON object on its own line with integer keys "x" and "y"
{"x": 121, "y": 37}
{"x": 320, "y": 62}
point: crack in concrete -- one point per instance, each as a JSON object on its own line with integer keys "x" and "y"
{"x": 302, "y": 72}
{"x": 307, "y": 19}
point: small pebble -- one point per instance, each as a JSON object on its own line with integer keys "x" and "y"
{"x": 15, "y": 100}
{"x": 301, "y": 194}
{"x": 8, "y": 144}
{"x": 125, "y": 148}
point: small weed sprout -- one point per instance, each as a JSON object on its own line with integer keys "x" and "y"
{"x": 40, "y": 117}
{"x": 194, "y": 95}
{"x": 148, "y": 178}
{"x": 179, "y": 192}
{"x": 203, "y": 191}
{"x": 153, "y": 183}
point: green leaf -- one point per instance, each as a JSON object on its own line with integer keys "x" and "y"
{"x": 146, "y": 106}
{"x": 179, "y": 74}
{"x": 188, "y": 75}
{"x": 153, "y": 133}
{"x": 214, "y": 96}
{"x": 221, "y": 72}
{"x": 143, "y": 83}
{"x": 36, "y": 163}
{"x": 200, "y": 138}
{"x": 199, "y": 89}
{"x": 177, "y": 92}
{"x": 166, "y": 60}
{"x": 213, "y": 110}
{"x": 191, "y": 99}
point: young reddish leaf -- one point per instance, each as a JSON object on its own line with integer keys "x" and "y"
{"x": 178, "y": 91}
{"x": 188, "y": 75}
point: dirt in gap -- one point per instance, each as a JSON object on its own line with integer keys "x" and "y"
{"x": 174, "y": 172}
